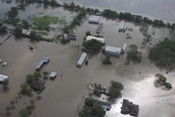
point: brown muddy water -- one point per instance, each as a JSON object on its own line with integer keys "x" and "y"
{"x": 63, "y": 97}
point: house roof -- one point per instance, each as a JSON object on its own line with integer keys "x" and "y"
{"x": 38, "y": 84}
{"x": 129, "y": 108}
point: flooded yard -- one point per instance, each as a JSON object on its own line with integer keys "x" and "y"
{"x": 64, "y": 96}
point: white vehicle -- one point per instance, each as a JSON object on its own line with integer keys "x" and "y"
{"x": 5, "y": 64}
{"x": 0, "y": 60}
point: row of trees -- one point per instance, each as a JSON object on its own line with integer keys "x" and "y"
{"x": 137, "y": 19}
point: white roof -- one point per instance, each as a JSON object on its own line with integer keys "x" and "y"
{"x": 82, "y": 58}
{"x": 53, "y": 74}
{"x": 94, "y": 18}
{"x": 113, "y": 49}
{"x": 3, "y": 77}
{"x": 96, "y": 38}
{"x": 24, "y": 31}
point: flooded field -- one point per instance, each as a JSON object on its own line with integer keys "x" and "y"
{"x": 64, "y": 96}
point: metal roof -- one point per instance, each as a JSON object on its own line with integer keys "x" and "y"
{"x": 113, "y": 49}
{"x": 3, "y": 77}
{"x": 53, "y": 74}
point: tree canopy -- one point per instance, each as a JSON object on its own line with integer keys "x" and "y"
{"x": 92, "y": 46}
{"x": 163, "y": 54}
{"x": 115, "y": 90}
{"x": 95, "y": 111}
{"x": 134, "y": 55}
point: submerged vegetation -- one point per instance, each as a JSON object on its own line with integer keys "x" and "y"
{"x": 43, "y": 22}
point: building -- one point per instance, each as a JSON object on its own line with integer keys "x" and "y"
{"x": 129, "y": 108}
{"x": 94, "y": 19}
{"x": 3, "y": 78}
{"x": 53, "y": 75}
{"x": 96, "y": 38}
{"x": 81, "y": 59}
{"x": 38, "y": 85}
{"x": 106, "y": 105}
{"x": 100, "y": 27}
{"x": 114, "y": 51}
{"x": 72, "y": 36}
{"x": 42, "y": 62}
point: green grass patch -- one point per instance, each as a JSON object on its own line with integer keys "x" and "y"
{"x": 42, "y": 22}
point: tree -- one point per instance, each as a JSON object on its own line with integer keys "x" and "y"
{"x": 95, "y": 111}
{"x": 24, "y": 88}
{"x": 165, "y": 54}
{"x": 92, "y": 46}
{"x": 25, "y": 24}
{"x": 24, "y": 112}
{"x": 33, "y": 34}
{"x": 45, "y": 73}
{"x": 8, "y": 110}
{"x": 134, "y": 55}
{"x": 18, "y": 31}
{"x": 5, "y": 84}
{"x": 36, "y": 75}
{"x": 88, "y": 33}
{"x": 29, "y": 78}
{"x": 32, "y": 102}
{"x": 115, "y": 90}
{"x": 12, "y": 103}
{"x": 106, "y": 60}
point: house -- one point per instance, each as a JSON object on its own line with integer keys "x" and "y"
{"x": 114, "y": 51}
{"x": 72, "y": 36}
{"x": 53, "y": 75}
{"x": 42, "y": 62}
{"x": 94, "y": 19}
{"x": 96, "y": 38}
{"x": 129, "y": 108}
{"x": 38, "y": 85}
{"x": 3, "y": 78}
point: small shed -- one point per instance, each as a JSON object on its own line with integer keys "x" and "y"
{"x": 114, "y": 51}
{"x": 53, "y": 75}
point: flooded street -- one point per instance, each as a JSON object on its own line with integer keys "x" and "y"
{"x": 64, "y": 96}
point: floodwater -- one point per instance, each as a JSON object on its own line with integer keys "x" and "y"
{"x": 161, "y": 9}
{"x": 64, "y": 96}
